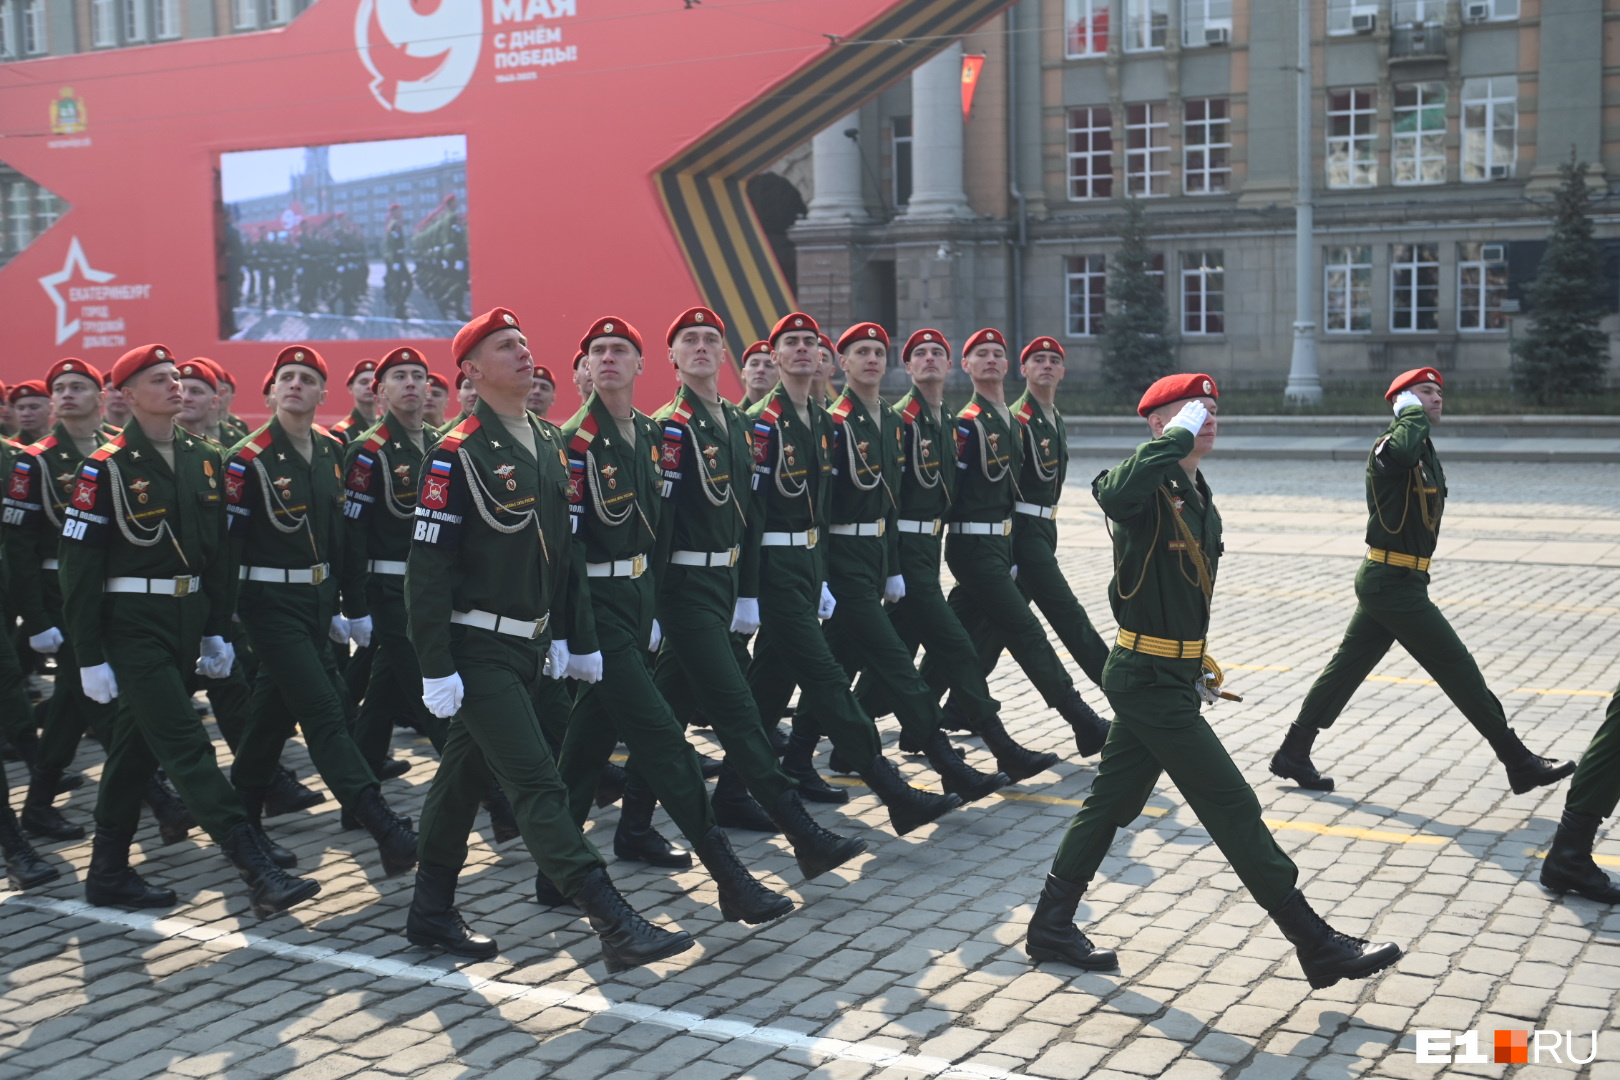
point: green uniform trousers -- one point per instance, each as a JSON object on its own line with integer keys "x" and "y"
{"x": 16, "y": 711}
{"x": 1595, "y": 787}
{"x": 1041, "y": 580}
{"x": 1393, "y": 605}
{"x": 1160, "y": 730}
{"x": 231, "y": 699}
{"x": 395, "y": 690}
{"x": 69, "y": 714}
{"x": 496, "y": 736}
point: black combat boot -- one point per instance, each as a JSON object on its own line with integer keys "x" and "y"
{"x": 1293, "y": 761}
{"x": 779, "y": 739}
{"x": 396, "y": 843}
{"x": 286, "y": 795}
{"x": 710, "y": 767}
{"x": 1018, "y": 762}
{"x": 23, "y": 865}
{"x": 1326, "y": 954}
{"x": 742, "y": 897}
{"x": 270, "y": 888}
{"x": 628, "y": 940}
{"x": 548, "y": 895}
{"x": 817, "y": 850}
{"x": 610, "y": 786}
{"x": 502, "y": 818}
{"x": 1090, "y": 730}
{"x": 909, "y": 807}
{"x": 174, "y": 821}
{"x": 434, "y": 920}
{"x": 734, "y": 808}
{"x": 111, "y": 883}
{"x": 1524, "y": 769}
{"x": 1053, "y": 936}
{"x": 958, "y": 776}
{"x": 253, "y": 805}
{"x": 390, "y": 768}
{"x": 39, "y": 816}
{"x": 799, "y": 763}
{"x": 635, "y": 839}
{"x": 1569, "y": 867}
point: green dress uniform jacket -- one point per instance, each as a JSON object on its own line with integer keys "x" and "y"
{"x": 351, "y": 427}
{"x": 16, "y": 714}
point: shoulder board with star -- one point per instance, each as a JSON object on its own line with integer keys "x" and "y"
{"x": 38, "y": 448}
{"x": 1026, "y": 413}
{"x": 257, "y": 445}
{"x": 769, "y": 415}
{"x": 584, "y": 436}
{"x": 108, "y": 449}
{"x": 317, "y": 429}
{"x": 970, "y": 412}
{"x": 378, "y": 438}
{"x": 340, "y": 427}
{"x": 912, "y": 410}
{"x": 841, "y": 409}
{"x": 458, "y": 434}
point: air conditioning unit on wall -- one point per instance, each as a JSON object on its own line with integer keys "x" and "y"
{"x": 1217, "y": 35}
{"x": 1492, "y": 253}
{"x": 1477, "y": 11}
{"x": 1501, "y": 172}
{"x": 1364, "y": 23}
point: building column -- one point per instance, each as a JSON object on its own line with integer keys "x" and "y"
{"x": 937, "y": 189}
{"x": 836, "y": 170}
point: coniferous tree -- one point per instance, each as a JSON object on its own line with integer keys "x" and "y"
{"x": 1136, "y": 343}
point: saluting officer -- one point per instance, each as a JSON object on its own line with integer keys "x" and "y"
{"x": 1406, "y": 491}
{"x": 487, "y": 585}
{"x": 1167, "y": 549}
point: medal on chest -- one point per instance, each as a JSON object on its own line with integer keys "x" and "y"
{"x": 608, "y": 472}
{"x": 139, "y": 487}
{"x": 505, "y": 471}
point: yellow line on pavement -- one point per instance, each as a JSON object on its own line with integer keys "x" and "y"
{"x": 1601, "y": 860}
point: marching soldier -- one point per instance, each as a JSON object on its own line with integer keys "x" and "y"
{"x": 1593, "y": 794}
{"x": 543, "y": 394}
{"x": 31, "y": 405}
{"x": 146, "y": 597}
{"x": 487, "y": 586}
{"x": 364, "y": 413}
{"x": 1406, "y": 491}
{"x": 758, "y": 373}
{"x": 1167, "y": 548}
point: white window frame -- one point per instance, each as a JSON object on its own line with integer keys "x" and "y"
{"x": 132, "y": 20}
{"x": 103, "y": 23}
{"x": 1088, "y": 14}
{"x": 1214, "y": 135}
{"x": 1197, "y": 16}
{"x": 1203, "y": 274}
{"x": 278, "y": 12}
{"x": 1146, "y": 25}
{"x": 1340, "y": 14}
{"x": 245, "y": 14}
{"x": 47, "y": 209}
{"x": 1500, "y": 9}
{"x": 1488, "y": 284}
{"x": 165, "y": 19}
{"x": 1086, "y": 287}
{"x": 1347, "y": 289}
{"x": 35, "y": 34}
{"x": 1408, "y": 147}
{"x": 8, "y": 32}
{"x": 1352, "y": 158}
{"x": 897, "y": 142}
{"x": 1406, "y": 287}
{"x": 1140, "y": 172}
{"x": 1490, "y": 105}
{"x": 1097, "y": 179}
{"x": 20, "y": 216}
{"x": 1418, "y": 12}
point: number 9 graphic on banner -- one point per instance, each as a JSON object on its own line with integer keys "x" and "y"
{"x": 418, "y": 62}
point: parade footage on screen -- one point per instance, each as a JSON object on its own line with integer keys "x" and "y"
{"x": 348, "y": 242}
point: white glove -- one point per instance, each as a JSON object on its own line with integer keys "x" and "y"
{"x": 745, "y": 616}
{"x": 1013, "y": 573}
{"x": 360, "y": 631}
{"x": 586, "y": 667}
{"x": 894, "y": 589}
{"x": 1207, "y": 689}
{"x": 443, "y": 696}
{"x": 1405, "y": 398}
{"x": 339, "y": 631}
{"x": 1192, "y": 417}
{"x": 828, "y": 602}
{"x": 46, "y": 641}
{"x": 216, "y": 659}
{"x": 557, "y": 658}
{"x": 657, "y": 638}
{"x": 99, "y": 684}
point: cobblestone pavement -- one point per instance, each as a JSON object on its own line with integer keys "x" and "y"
{"x": 908, "y": 963}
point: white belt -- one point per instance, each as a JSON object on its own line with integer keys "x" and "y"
{"x": 501, "y": 624}
{"x": 862, "y": 528}
{"x": 386, "y": 566}
{"x": 158, "y": 586}
{"x": 704, "y": 558}
{"x": 926, "y": 528}
{"x": 789, "y": 539}
{"x": 313, "y": 575}
{"x": 631, "y": 568}
{"x": 50, "y": 564}
{"x": 983, "y": 528}
{"x": 1036, "y": 510}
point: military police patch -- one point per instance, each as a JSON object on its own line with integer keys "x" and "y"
{"x": 84, "y": 492}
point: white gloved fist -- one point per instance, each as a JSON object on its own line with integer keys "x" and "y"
{"x": 217, "y": 658}
{"x": 339, "y": 630}
{"x": 657, "y": 637}
{"x": 894, "y": 589}
{"x": 1013, "y": 573}
{"x": 443, "y": 696}
{"x": 1405, "y": 398}
{"x": 1207, "y": 690}
{"x": 586, "y": 667}
{"x": 360, "y": 631}
{"x": 46, "y": 641}
{"x": 745, "y": 616}
{"x": 1192, "y": 417}
{"x": 825, "y": 609}
{"x": 99, "y": 684}
{"x": 557, "y": 658}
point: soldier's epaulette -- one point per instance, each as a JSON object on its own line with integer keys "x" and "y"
{"x": 840, "y": 409}
{"x": 317, "y": 429}
{"x": 584, "y": 436}
{"x": 257, "y": 445}
{"x": 455, "y": 436}
{"x": 378, "y": 437}
{"x": 912, "y": 410}
{"x": 38, "y": 448}
{"x": 341, "y": 426}
{"x": 112, "y": 431}
{"x": 970, "y": 412}
{"x": 1026, "y": 413}
{"x": 108, "y": 449}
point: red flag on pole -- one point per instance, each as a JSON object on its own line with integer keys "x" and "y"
{"x": 972, "y": 64}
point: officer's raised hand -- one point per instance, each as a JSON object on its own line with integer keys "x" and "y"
{"x": 1192, "y": 417}
{"x": 1405, "y": 398}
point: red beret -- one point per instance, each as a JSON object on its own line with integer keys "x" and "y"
{"x": 200, "y": 368}
{"x": 359, "y": 369}
{"x": 435, "y": 379}
{"x": 479, "y": 329}
{"x": 72, "y": 365}
{"x": 543, "y": 372}
{"x": 825, "y": 342}
{"x": 301, "y": 355}
{"x": 795, "y": 320}
{"x": 269, "y": 381}
{"x": 1041, "y": 344}
{"x": 577, "y": 358}
{"x": 987, "y": 336}
{"x": 138, "y": 360}
{"x": 31, "y": 388}
{"x": 925, "y": 336}
{"x": 862, "y": 332}
{"x": 1411, "y": 378}
{"x": 1176, "y": 388}
{"x": 225, "y": 377}
{"x": 408, "y": 355}
{"x": 698, "y": 316}
{"x": 611, "y": 326}
{"x": 461, "y": 379}
{"x": 757, "y": 347}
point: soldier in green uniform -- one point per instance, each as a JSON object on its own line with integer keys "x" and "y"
{"x": 759, "y": 375}
{"x": 979, "y": 550}
{"x": 1167, "y": 549}
{"x": 438, "y": 399}
{"x": 234, "y": 428}
{"x": 285, "y": 494}
{"x": 488, "y": 583}
{"x": 146, "y": 597}
{"x": 1593, "y": 794}
{"x": 31, "y": 405}
{"x": 364, "y": 413}
{"x": 792, "y": 465}
{"x": 1406, "y": 494}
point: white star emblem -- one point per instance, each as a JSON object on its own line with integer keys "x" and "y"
{"x": 75, "y": 258}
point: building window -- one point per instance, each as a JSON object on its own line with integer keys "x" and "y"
{"x": 8, "y": 32}
{"x": 1350, "y": 159}
{"x": 1414, "y": 287}
{"x": 277, "y": 11}
{"x": 18, "y": 210}
{"x": 1351, "y": 16}
{"x": 1419, "y": 12}
{"x": 1490, "y": 127}
{"x": 134, "y": 18}
{"x": 1091, "y": 153}
{"x": 1347, "y": 289}
{"x": 33, "y": 27}
{"x": 1203, "y": 308}
{"x": 1147, "y": 149}
{"x": 1206, "y": 22}
{"x": 900, "y": 158}
{"x": 103, "y": 28}
{"x": 1206, "y": 146}
{"x": 1419, "y": 155}
{"x": 1085, "y": 25}
{"x": 1146, "y": 24}
{"x": 1482, "y": 279}
{"x": 1088, "y": 294}
{"x": 166, "y": 18}
{"x": 47, "y": 208}
{"x": 245, "y": 14}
